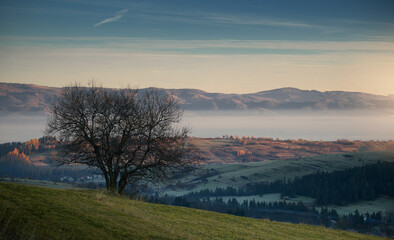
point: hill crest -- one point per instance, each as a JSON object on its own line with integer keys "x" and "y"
{"x": 35, "y": 98}
{"x": 42, "y": 213}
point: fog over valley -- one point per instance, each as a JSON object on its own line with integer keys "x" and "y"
{"x": 279, "y": 113}
{"x": 309, "y": 125}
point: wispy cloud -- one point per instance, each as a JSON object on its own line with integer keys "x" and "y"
{"x": 209, "y": 18}
{"x": 117, "y": 16}
{"x": 242, "y": 20}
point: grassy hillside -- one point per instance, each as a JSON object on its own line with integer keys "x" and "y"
{"x": 28, "y": 212}
{"x": 237, "y": 175}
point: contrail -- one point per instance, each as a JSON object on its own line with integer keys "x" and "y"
{"x": 117, "y": 16}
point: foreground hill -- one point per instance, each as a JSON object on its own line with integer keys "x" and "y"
{"x": 35, "y": 98}
{"x": 28, "y": 212}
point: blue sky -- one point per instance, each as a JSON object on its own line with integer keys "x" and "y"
{"x": 185, "y": 19}
{"x": 220, "y": 46}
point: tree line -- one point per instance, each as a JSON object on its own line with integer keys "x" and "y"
{"x": 27, "y": 148}
{"x": 286, "y": 211}
{"x": 339, "y": 187}
{"x": 15, "y": 161}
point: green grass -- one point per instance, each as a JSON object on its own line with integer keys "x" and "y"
{"x": 42, "y": 183}
{"x": 383, "y": 204}
{"x": 237, "y": 175}
{"x": 31, "y": 212}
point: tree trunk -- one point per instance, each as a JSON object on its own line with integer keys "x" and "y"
{"x": 107, "y": 182}
{"x": 122, "y": 184}
{"x": 112, "y": 185}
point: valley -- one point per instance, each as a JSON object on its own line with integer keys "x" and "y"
{"x": 228, "y": 162}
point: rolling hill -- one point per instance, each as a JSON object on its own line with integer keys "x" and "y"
{"x": 34, "y": 98}
{"x": 240, "y": 174}
{"x": 238, "y": 150}
{"x": 28, "y": 212}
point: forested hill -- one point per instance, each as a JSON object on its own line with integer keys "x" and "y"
{"x": 35, "y": 98}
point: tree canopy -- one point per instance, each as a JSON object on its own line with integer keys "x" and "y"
{"x": 130, "y": 135}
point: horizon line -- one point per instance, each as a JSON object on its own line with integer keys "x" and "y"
{"x": 229, "y": 93}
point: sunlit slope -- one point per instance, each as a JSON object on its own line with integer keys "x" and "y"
{"x": 238, "y": 150}
{"x": 28, "y": 212}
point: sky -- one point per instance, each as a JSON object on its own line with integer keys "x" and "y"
{"x": 224, "y": 46}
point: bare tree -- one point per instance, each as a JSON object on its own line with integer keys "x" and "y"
{"x": 129, "y": 135}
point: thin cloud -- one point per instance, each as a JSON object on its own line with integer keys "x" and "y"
{"x": 221, "y": 18}
{"x": 117, "y": 16}
{"x": 225, "y": 19}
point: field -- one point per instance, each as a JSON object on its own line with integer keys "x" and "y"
{"x": 42, "y": 183}
{"x": 382, "y": 204}
{"x": 246, "y": 149}
{"x": 237, "y": 175}
{"x": 30, "y": 212}
{"x": 42, "y": 158}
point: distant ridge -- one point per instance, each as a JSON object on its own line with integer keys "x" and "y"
{"x": 16, "y": 97}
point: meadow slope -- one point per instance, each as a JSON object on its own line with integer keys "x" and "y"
{"x": 29, "y": 212}
{"x": 212, "y": 176}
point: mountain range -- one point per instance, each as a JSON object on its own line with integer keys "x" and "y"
{"x": 34, "y": 98}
